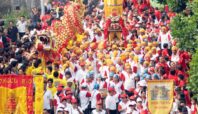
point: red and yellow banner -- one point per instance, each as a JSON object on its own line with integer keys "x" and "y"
{"x": 160, "y": 96}
{"x": 16, "y": 94}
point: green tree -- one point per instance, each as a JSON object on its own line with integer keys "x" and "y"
{"x": 184, "y": 27}
{"x": 175, "y": 5}
{"x": 193, "y": 79}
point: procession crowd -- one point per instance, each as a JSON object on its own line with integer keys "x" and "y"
{"x": 97, "y": 76}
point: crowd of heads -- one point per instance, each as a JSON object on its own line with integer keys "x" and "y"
{"x": 117, "y": 69}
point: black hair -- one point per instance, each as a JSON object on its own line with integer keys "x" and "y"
{"x": 172, "y": 72}
{"x": 165, "y": 45}
{"x": 179, "y": 67}
{"x": 36, "y": 64}
{"x": 56, "y": 74}
{"x": 162, "y": 71}
{"x": 181, "y": 76}
{"x": 51, "y": 80}
{"x": 166, "y": 58}
{"x": 68, "y": 73}
{"x": 50, "y": 68}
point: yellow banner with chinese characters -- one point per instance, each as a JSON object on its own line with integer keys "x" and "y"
{"x": 109, "y": 5}
{"x": 16, "y": 94}
{"x": 39, "y": 91}
{"x": 13, "y": 101}
{"x": 160, "y": 96}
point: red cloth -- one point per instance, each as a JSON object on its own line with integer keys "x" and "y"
{"x": 173, "y": 77}
{"x": 165, "y": 53}
{"x": 158, "y": 14}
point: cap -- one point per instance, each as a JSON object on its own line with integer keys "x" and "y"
{"x": 111, "y": 89}
{"x": 67, "y": 89}
{"x": 124, "y": 96}
{"x": 111, "y": 74}
{"x": 61, "y": 95}
{"x": 59, "y": 89}
{"x": 116, "y": 76}
{"x": 132, "y": 103}
{"x": 73, "y": 101}
{"x": 99, "y": 103}
{"x": 65, "y": 98}
{"x": 142, "y": 83}
{"x": 84, "y": 85}
{"x": 69, "y": 92}
{"x": 60, "y": 85}
{"x": 139, "y": 99}
{"x": 132, "y": 97}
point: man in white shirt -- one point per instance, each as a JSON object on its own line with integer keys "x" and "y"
{"x": 21, "y": 25}
{"x": 75, "y": 109}
{"x": 47, "y": 96}
{"x": 99, "y": 109}
{"x": 131, "y": 108}
{"x": 111, "y": 101}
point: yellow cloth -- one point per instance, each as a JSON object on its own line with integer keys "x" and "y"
{"x": 52, "y": 89}
{"x": 109, "y": 5}
{"x": 38, "y": 70}
{"x": 29, "y": 70}
{"x": 18, "y": 95}
{"x": 38, "y": 104}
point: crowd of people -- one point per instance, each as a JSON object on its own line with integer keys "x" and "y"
{"x": 97, "y": 76}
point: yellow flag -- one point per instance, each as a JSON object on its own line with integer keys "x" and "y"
{"x": 160, "y": 96}
{"x": 109, "y": 5}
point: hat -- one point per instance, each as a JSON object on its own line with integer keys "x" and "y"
{"x": 99, "y": 76}
{"x": 69, "y": 92}
{"x": 142, "y": 83}
{"x": 82, "y": 63}
{"x": 110, "y": 89}
{"x": 142, "y": 30}
{"x": 66, "y": 109}
{"x": 111, "y": 74}
{"x": 59, "y": 89}
{"x": 132, "y": 103}
{"x": 84, "y": 85}
{"x": 68, "y": 89}
{"x": 132, "y": 97}
{"x": 65, "y": 98}
{"x": 99, "y": 102}
{"x": 139, "y": 99}
{"x": 124, "y": 96}
{"x": 61, "y": 85}
{"x": 73, "y": 101}
{"x": 116, "y": 76}
{"x": 174, "y": 48}
{"x": 61, "y": 95}
{"x": 96, "y": 86}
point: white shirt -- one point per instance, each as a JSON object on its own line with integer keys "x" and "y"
{"x": 47, "y": 97}
{"x": 84, "y": 100}
{"x": 129, "y": 80}
{"x": 124, "y": 107}
{"x": 74, "y": 111}
{"x": 129, "y": 111}
{"x": 21, "y": 26}
{"x": 96, "y": 112}
{"x": 110, "y": 102}
{"x": 80, "y": 75}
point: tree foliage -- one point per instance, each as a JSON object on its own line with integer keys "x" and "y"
{"x": 193, "y": 79}
{"x": 175, "y": 5}
{"x": 185, "y": 28}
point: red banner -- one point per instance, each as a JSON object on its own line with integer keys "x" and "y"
{"x": 16, "y": 94}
